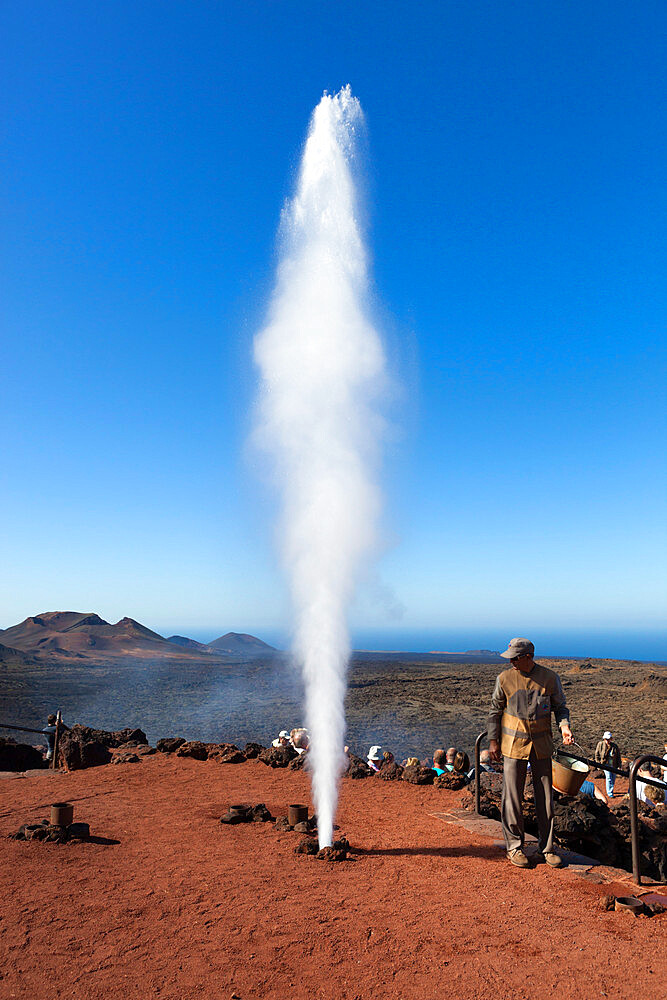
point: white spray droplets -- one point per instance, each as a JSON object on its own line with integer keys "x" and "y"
{"x": 322, "y": 365}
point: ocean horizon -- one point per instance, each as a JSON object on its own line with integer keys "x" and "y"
{"x": 617, "y": 644}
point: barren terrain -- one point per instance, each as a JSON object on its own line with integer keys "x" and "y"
{"x": 170, "y": 903}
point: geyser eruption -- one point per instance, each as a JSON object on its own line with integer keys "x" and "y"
{"x": 322, "y": 365}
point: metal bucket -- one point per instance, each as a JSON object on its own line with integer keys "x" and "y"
{"x": 297, "y": 814}
{"x": 62, "y": 813}
{"x": 568, "y": 774}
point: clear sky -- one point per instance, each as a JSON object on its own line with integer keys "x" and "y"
{"x": 517, "y": 207}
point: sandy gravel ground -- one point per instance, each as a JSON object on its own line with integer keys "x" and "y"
{"x": 177, "y": 906}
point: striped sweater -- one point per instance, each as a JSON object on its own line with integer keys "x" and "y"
{"x": 521, "y": 707}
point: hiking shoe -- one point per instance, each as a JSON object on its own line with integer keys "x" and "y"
{"x": 518, "y": 858}
{"x": 554, "y": 860}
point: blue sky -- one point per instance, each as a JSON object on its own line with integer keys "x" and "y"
{"x": 516, "y": 197}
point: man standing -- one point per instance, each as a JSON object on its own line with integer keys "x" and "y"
{"x": 607, "y": 752}
{"x": 519, "y": 729}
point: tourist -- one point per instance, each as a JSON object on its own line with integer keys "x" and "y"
{"x": 485, "y": 761}
{"x": 300, "y": 740}
{"x": 523, "y": 699}
{"x": 591, "y": 791}
{"x": 655, "y": 796}
{"x": 49, "y": 731}
{"x": 607, "y": 752}
{"x": 439, "y": 761}
{"x": 451, "y": 754}
{"x": 374, "y": 758}
{"x": 664, "y": 770}
{"x": 282, "y": 739}
{"x": 645, "y": 771}
{"x": 461, "y": 765}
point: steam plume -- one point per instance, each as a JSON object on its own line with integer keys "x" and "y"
{"x": 321, "y": 364}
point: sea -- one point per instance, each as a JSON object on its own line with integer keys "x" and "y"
{"x": 648, "y": 644}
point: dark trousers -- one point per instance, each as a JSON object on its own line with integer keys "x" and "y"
{"x": 511, "y": 806}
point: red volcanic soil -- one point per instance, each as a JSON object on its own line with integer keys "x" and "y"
{"x": 179, "y": 906}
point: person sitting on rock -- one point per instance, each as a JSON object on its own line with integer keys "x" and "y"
{"x": 439, "y": 761}
{"x": 282, "y": 739}
{"x": 655, "y": 796}
{"x": 645, "y": 771}
{"x": 374, "y": 758}
{"x": 591, "y": 791}
{"x": 300, "y": 740}
{"x": 451, "y": 754}
{"x": 485, "y": 761}
{"x": 461, "y": 765}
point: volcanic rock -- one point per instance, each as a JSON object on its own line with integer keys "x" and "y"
{"x": 252, "y": 750}
{"x": 299, "y": 762}
{"x": 451, "y": 780}
{"x": 126, "y": 757}
{"x": 170, "y": 744}
{"x": 358, "y": 768}
{"x": 194, "y": 748}
{"x": 79, "y": 749}
{"x": 282, "y": 824}
{"x": 307, "y": 846}
{"x": 390, "y": 772}
{"x": 233, "y": 818}
{"x": 19, "y": 756}
{"x": 260, "y": 814}
{"x": 337, "y": 851}
{"x": 418, "y": 775}
{"x": 247, "y": 814}
{"x": 277, "y": 756}
{"x": 225, "y": 753}
{"x": 117, "y": 738}
{"x": 42, "y": 831}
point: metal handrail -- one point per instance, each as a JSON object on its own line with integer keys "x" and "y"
{"x": 632, "y": 791}
{"x": 616, "y": 770}
{"x": 634, "y": 819}
{"x": 21, "y": 729}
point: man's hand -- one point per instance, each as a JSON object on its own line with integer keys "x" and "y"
{"x": 566, "y": 733}
{"x": 494, "y": 750}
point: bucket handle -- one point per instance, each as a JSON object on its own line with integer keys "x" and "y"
{"x": 563, "y": 749}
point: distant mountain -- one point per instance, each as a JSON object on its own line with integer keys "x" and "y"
{"x": 84, "y": 635}
{"x": 182, "y": 640}
{"x": 239, "y": 643}
{"x": 483, "y": 652}
{"x": 74, "y": 633}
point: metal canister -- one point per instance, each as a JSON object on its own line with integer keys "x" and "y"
{"x": 297, "y": 814}
{"x": 62, "y": 813}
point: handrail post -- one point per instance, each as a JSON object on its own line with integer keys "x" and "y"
{"x": 634, "y": 819}
{"x": 634, "y": 822}
{"x": 56, "y": 740}
{"x": 478, "y": 790}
